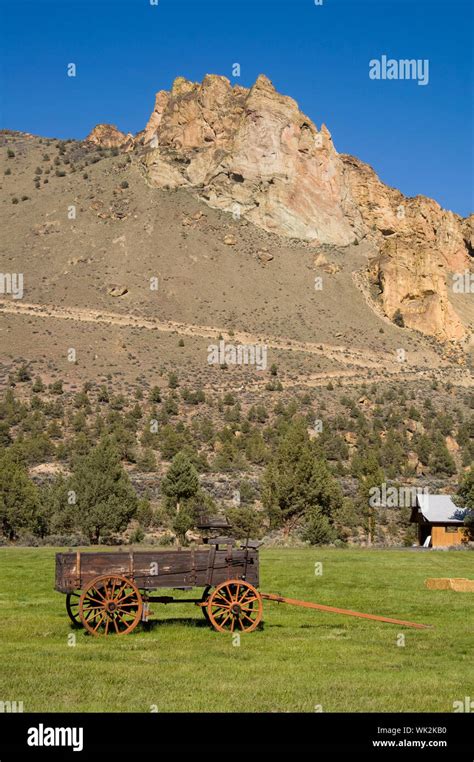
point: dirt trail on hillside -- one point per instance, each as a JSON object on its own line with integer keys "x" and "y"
{"x": 373, "y": 366}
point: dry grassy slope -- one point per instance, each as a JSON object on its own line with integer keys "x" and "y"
{"x": 202, "y": 281}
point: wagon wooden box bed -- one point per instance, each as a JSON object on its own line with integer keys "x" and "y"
{"x": 110, "y": 592}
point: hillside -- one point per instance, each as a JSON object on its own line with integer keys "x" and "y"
{"x": 230, "y": 223}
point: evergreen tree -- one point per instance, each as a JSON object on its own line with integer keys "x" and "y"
{"x": 318, "y": 530}
{"x": 297, "y": 479}
{"x": 19, "y": 498}
{"x": 58, "y": 515}
{"x": 147, "y": 461}
{"x": 181, "y": 480}
{"x": 441, "y": 461}
{"x": 105, "y": 499}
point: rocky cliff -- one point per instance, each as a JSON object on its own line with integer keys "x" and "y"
{"x": 108, "y": 136}
{"x": 253, "y": 153}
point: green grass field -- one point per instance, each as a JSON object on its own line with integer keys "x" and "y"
{"x": 298, "y": 660}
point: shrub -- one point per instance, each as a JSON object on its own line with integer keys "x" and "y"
{"x": 137, "y": 535}
{"x": 56, "y": 387}
{"x": 173, "y": 382}
{"x": 398, "y": 319}
{"x": 23, "y": 374}
{"x": 318, "y": 529}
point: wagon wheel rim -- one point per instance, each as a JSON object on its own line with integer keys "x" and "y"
{"x": 110, "y": 605}
{"x": 205, "y": 600}
{"x": 72, "y": 607}
{"x": 235, "y": 606}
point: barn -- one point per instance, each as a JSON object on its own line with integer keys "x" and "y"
{"x": 440, "y": 521}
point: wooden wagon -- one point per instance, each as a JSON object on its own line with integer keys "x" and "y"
{"x": 111, "y": 592}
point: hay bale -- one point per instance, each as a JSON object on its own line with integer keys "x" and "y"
{"x": 459, "y": 584}
{"x": 437, "y": 584}
{"x": 463, "y": 585}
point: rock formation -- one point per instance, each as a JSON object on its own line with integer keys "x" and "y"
{"x": 419, "y": 245}
{"x": 108, "y": 136}
{"x": 253, "y": 153}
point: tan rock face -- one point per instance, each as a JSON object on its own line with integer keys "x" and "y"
{"x": 419, "y": 245}
{"x": 253, "y": 153}
{"x": 108, "y": 136}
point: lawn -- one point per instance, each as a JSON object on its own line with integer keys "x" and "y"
{"x": 298, "y": 661}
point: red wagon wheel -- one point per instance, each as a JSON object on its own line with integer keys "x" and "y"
{"x": 235, "y": 606}
{"x": 110, "y": 604}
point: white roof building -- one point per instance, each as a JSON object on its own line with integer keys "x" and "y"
{"x": 439, "y": 509}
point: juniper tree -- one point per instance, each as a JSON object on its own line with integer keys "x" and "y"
{"x": 105, "y": 498}
{"x": 298, "y": 479}
{"x": 464, "y": 498}
{"x": 19, "y": 497}
{"x": 181, "y": 480}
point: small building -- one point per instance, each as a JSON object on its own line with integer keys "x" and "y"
{"x": 440, "y": 521}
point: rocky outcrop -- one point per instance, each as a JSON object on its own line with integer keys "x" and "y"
{"x": 253, "y": 153}
{"x": 419, "y": 245}
{"x": 108, "y": 136}
{"x": 468, "y": 233}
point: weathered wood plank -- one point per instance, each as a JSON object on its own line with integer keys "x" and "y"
{"x": 155, "y": 569}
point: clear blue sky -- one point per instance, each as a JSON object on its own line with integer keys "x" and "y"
{"x": 418, "y": 138}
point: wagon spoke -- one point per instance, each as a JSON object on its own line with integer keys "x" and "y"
{"x": 219, "y": 596}
{"x": 98, "y": 623}
{"x": 124, "y": 597}
{"x": 221, "y": 624}
{"x": 99, "y": 603}
{"x": 121, "y": 619}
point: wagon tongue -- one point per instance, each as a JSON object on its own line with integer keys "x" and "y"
{"x": 345, "y": 612}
